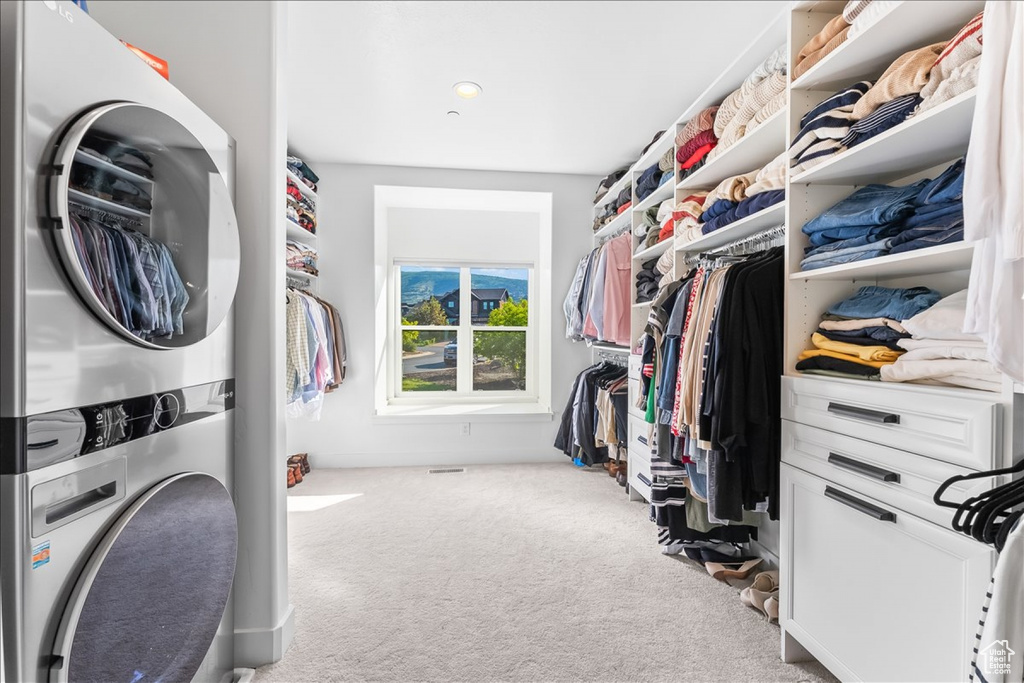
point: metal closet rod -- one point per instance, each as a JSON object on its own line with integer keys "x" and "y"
{"x": 761, "y": 238}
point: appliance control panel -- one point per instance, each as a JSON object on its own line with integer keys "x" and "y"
{"x": 37, "y": 441}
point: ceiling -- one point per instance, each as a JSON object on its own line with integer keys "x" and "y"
{"x": 568, "y": 87}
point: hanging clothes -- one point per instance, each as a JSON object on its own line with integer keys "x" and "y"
{"x": 133, "y": 275}
{"x": 597, "y": 306}
{"x": 710, "y": 379}
{"x": 593, "y": 424}
{"x": 316, "y": 356}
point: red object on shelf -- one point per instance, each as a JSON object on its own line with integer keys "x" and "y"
{"x": 159, "y": 65}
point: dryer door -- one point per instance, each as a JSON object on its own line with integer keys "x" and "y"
{"x": 151, "y": 597}
{"x": 145, "y": 228}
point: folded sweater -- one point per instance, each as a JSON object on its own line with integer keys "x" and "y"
{"x": 732, "y": 188}
{"x": 835, "y": 25}
{"x": 905, "y": 76}
{"x": 828, "y": 48}
{"x": 759, "y": 97}
{"x": 704, "y": 120}
{"x": 876, "y": 353}
{"x": 771, "y": 177}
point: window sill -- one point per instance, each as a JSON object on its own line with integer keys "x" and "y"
{"x": 464, "y": 412}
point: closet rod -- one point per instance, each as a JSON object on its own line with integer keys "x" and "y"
{"x": 762, "y": 238}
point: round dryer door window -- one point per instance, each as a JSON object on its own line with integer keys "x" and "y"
{"x": 152, "y": 596}
{"x": 147, "y": 231}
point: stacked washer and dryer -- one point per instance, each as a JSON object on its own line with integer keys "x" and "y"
{"x": 120, "y": 259}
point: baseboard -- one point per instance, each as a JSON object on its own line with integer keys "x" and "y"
{"x": 244, "y": 675}
{"x": 432, "y": 458}
{"x": 259, "y": 646}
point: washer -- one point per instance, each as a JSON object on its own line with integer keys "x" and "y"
{"x": 117, "y": 530}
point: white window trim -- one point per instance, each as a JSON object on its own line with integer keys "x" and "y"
{"x": 485, "y": 405}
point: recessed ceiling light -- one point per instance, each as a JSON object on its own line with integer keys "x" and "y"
{"x": 467, "y": 90}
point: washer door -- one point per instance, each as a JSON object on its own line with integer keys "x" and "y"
{"x": 149, "y": 602}
{"x": 146, "y": 230}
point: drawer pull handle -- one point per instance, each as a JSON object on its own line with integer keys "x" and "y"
{"x": 863, "y": 468}
{"x": 643, "y": 440}
{"x": 641, "y": 477}
{"x": 863, "y": 414}
{"x": 859, "y": 505}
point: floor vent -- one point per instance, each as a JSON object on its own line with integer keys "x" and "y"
{"x": 449, "y": 470}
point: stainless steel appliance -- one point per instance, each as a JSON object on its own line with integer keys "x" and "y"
{"x": 118, "y": 266}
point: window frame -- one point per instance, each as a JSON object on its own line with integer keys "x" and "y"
{"x": 538, "y": 242}
{"x": 465, "y": 331}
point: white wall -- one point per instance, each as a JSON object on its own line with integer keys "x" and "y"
{"x": 348, "y": 434}
{"x": 228, "y": 58}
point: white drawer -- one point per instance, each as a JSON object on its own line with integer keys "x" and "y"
{"x": 639, "y": 475}
{"x": 639, "y": 437}
{"x": 877, "y": 600}
{"x": 951, "y": 427}
{"x": 904, "y": 480}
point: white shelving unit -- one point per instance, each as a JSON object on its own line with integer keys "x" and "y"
{"x": 929, "y": 433}
{"x": 296, "y": 232}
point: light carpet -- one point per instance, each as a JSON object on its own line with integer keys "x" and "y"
{"x": 504, "y": 573}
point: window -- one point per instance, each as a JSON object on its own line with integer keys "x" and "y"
{"x": 497, "y": 339}
{"x": 463, "y": 278}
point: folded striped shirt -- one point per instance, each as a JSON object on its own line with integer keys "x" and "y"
{"x": 823, "y": 128}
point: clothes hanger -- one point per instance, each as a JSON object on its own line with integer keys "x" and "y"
{"x": 937, "y": 497}
{"x": 984, "y": 517}
{"x": 967, "y": 513}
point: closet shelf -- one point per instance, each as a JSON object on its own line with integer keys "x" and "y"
{"x": 623, "y": 220}
{"x": 906, "y": 26}
{"x": 652, "y": 252}
{"x": 936, "y": 136}
{"x": 753, "y": 151}
{"x": 298, "y": 233}
{"x": 941, "y": 259}
{"x": 663, "y": 192}
{"x": 618, "y": 187}
{"x": 824, "y": 6}
{"x": 745, "y": 227}
{"x": 660, "y": 146}
{"x": 303, "y": 188}
{"x": 301, "y": 274}
{"x": 113, "y": 169}
{"x": 612, "y": 348}
{"x": 114, "y": 207}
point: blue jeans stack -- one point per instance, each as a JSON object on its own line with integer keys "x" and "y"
{"x": 881, "y": 219}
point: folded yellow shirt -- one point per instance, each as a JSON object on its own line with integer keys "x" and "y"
{"x": 811, "y": 353}
{"x": 879, "y": 353}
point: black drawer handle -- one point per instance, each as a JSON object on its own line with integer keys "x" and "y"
{"x": 859, "y": 505}
{"x": 863, "y": 468}
{"x": 641, "y": 477}
{"x": 863, "y": 414}
{"x": 642, "y": 439}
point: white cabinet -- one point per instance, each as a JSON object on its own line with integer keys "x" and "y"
{"x": 877, "y": 594}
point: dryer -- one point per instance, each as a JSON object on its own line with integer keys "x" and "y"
{"x": 119, "y": 259}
